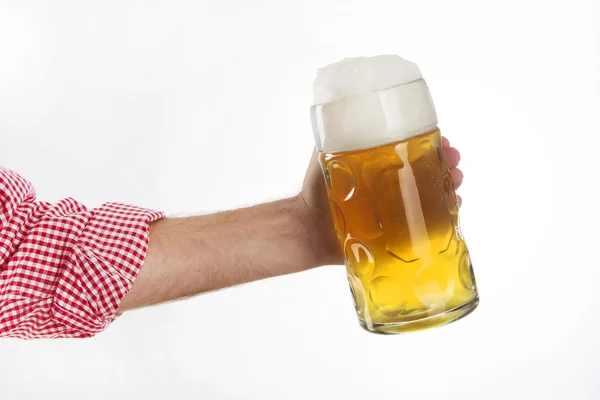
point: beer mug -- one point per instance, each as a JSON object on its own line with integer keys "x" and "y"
{"x": 391, "y": 196}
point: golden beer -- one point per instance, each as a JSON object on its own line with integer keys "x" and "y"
{"x": 391, "y": 195}
{"x": 396, "y": 216}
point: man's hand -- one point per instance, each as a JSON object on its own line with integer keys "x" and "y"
{"x": 317, "y": 217}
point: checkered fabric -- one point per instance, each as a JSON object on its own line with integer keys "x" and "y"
{"x": 63, "y": 268}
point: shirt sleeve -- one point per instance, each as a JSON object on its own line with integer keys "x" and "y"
{"x": 64, "y": 268}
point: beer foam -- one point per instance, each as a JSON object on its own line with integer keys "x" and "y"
{"x": 365, "y": 102}
{"x": 351, "y": 77}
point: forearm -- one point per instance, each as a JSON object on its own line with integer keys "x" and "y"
{"x": 188, "y": 256}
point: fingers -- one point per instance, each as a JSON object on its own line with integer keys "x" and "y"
{"x": 457, "y": 177}
{"x": 445, "y": 142}
{"x": 452, "y": 157}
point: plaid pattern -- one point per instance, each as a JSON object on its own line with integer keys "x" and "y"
{"x": 63, "y": 268}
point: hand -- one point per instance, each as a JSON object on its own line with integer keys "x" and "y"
{"x": 316, "y": 217}
{"x": 315, "y": 213}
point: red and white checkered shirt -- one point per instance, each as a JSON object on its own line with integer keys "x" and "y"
{"x": 63, "y": 268}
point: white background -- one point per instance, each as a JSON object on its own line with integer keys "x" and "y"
{"x": 199, "y": 106}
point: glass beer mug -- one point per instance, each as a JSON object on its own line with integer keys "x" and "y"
{"x": 391, "y": 195}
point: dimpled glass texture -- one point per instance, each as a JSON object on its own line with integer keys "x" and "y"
{"x": 396, "y": 216}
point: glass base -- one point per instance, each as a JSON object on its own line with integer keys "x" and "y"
{"x": 425, "y": 323}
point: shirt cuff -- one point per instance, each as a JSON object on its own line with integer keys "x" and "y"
{"x": 102, "y": 266}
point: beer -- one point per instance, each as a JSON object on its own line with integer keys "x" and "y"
{"x": 396, "y": 216}
{"x": 394, "y": 209}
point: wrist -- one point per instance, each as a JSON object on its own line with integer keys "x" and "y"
{"x": 319, "y": 234}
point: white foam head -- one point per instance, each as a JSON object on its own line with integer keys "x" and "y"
{"x": 365, "y": 102}
{"x": 351, "y": 77}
